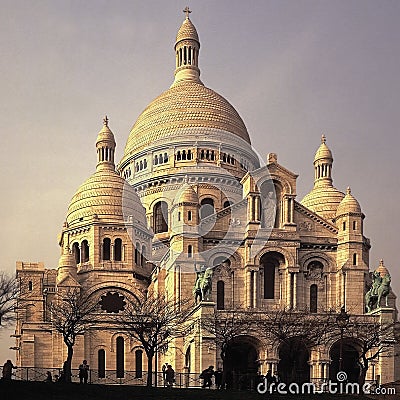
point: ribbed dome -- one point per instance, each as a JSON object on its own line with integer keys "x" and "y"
{"x": 323, "y": 151}
{"x": 107, "y": 197}
{"x": 348, "y": 205}
{"x": 187, "y": 31}
{"x": 323, "y": 200}
{"x": 186, "y": 104}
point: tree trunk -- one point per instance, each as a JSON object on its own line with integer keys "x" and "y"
{"x": 150, "y": 370}
{"x": 68, "y": 363}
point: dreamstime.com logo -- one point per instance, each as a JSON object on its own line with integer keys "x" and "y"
{"x": 339, "y": 387}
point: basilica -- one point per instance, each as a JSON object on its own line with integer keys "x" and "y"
{"x": 190, "y": 194}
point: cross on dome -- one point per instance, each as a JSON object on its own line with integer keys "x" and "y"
{"x": 105, "y": 121}
{"x": 323, "y": 139}
{"x": 187, "y": 11}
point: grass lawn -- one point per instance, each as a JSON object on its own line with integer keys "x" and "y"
{"x": 20, "y": 390}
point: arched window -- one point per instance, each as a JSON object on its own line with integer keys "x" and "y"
{"x": 165, "y": 157}
{"x": 313, "y": 298}
{"x": 344, "y": 225}
{"x": 206, "y": 207}
{"x": 137, "y": 253}
{"x": 138, "y": 363}
{"x": 120, "y": 357}
{"x": 143, "y": 256}
{"x": 227, "y": 203}
{"x": 156, "y": 160}
{"x": 184, "y": 155}
{"x": 278, "y": 193}
{"x": 190, "y": 251}
{"x": 188, "y": 359}
{"x": 160, "y": 213}
{"x": 106, "y": 249}
{"x": 145, "y": 164}
{"x": 189, "y": 155}
{"x": 355, "y": 259}
{"x": 76, "y": 252}
{"x": 354, "y": 225}
{"x": 220, "y": 295}
{"x": 269, "y": 262}
{"x": 101, "y": 363}
{"x": 141, "y": 165}
{"x": 178, "y": 156}
{"x": 85, "y": 251}
{"x": 189, "y": 215}
{"x": 30, "y": 286}
{"x": 118, "y": 249}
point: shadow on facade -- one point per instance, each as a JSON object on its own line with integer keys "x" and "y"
{"x": 349, "y": 360}
{"x": 293, "y": 365}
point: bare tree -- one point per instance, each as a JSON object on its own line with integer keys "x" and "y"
{"x": 154, "y": 321}
{"x": 71, "y": 313}
{"x": 295, "y": 330}
{"x": 8, "y": 298}
{"x": 373, "y": 339}
{"x": 226, "y": 326}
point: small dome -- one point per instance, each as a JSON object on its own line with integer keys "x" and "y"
{"x": 323, "y": 201}
{"x": 382, "y": 269}
{"x": 349, "y": 204}
{"x": 66, "y": 260}
{"x": 188, "y": 195}
{"x": 323, "y": 151}
{"x": 107, "y": 197}
{"x": 105, "y": 135}
{"x": 187, "y": 31}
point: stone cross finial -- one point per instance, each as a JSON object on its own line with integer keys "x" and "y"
{"x": 105, "y": 121}
{"x": 187, "y": 12}
{"x": 348, "y": 190}
{"x": 323, "y": 139}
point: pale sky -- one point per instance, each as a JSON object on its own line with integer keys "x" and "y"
{"x": 293, "y": 70}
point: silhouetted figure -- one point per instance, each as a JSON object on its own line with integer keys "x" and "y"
{"x": 206, "y": 375}
{"x": 7, "y": 370}
{"x": 83, "y": 372}
{"x": 218, "y": 378}
{"x": 169, "y": 376}
{"x": 49, "y": 378}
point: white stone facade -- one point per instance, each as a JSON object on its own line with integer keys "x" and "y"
{"x": 190, "y": 191}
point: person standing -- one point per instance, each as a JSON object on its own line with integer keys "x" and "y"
{"x": 7, "y": 370}
{"x": 169, "y": 376}
{"x": 218, "y": 378}
{"x": 83, "y": 372}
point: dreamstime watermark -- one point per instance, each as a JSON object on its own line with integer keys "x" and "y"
{"x": 339, "y": 387}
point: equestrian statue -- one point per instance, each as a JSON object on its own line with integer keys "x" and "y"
{"x": 203, "y": 285}
{"x": 380, "y": 288}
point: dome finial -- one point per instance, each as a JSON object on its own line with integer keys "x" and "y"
{"x": 105, "y": 121}
{"x": 323, "y": 139}
{"x": 348, "y": 190}
{"x": 187, "y": 12}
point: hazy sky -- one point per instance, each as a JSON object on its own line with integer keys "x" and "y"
{"x": 292, "y": 69}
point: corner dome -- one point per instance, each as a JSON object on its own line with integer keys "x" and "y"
{"x": 105, "y": 196}
{"x": 349, "y": 204}
{"x": 323, "y": 201}
{"x": 187, "y": 104}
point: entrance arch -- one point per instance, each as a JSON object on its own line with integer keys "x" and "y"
{"x": 293, "y": 365}
{"x": 241, "y": 363}
{"x": 349, "y": 360}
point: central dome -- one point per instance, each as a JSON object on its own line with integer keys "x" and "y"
{"x": 186, "y": 104}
